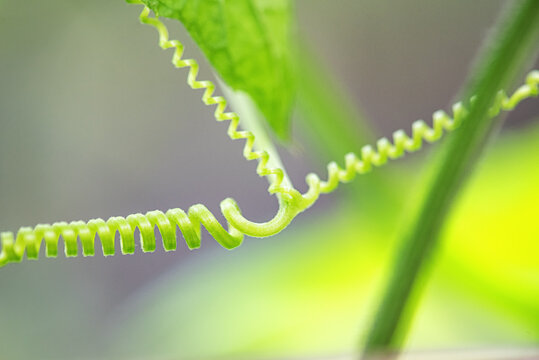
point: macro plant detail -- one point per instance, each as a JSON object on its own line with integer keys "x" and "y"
{"x": 291, "y": 201}
{"x": 434, "y": 253}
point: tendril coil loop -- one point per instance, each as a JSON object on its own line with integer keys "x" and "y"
{"x": 421, "y": 131}
{"x": 291, "y": 202}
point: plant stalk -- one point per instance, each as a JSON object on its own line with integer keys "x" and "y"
{"x": 510, "y": 47}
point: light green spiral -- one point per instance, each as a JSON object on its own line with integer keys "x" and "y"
{"x": 291, "y": 201}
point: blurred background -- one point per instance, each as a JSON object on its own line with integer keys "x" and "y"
{"x": 96, "y": 122}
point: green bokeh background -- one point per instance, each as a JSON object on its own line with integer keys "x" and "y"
{"x": 96, "y": 122}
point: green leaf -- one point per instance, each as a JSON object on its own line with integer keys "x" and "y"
{"x": 247, "y": 43}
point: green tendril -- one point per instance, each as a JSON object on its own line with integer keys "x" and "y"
{"x": 291, "y": 201}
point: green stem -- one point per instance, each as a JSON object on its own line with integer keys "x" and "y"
{"x": 335, "y": 126}
{"x": 510, "y": 48}
{"x": 335, "y": 123}
{"x": 252, "y": 120}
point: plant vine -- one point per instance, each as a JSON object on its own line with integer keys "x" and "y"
{"x": 291, "y": 202}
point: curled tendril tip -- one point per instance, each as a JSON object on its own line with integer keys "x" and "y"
{"x": 292, "y": 202}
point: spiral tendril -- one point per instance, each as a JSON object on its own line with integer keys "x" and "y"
{"x": 291, "y": 203}
{"x": 421, "y": 131}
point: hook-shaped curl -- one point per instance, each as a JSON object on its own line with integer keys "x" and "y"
{"x": 291, "y": 202}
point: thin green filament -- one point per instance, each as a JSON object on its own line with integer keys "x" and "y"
{"x": 291, "y": 203}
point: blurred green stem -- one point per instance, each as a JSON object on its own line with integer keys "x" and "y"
{"x": 509, "y": 49}
{"x": 335, "y": 125}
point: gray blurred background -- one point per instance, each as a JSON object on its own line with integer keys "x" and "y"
{"x": 96, "y": 122}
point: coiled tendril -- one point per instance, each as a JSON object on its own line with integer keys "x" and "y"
{"x": 291, "y": 202}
